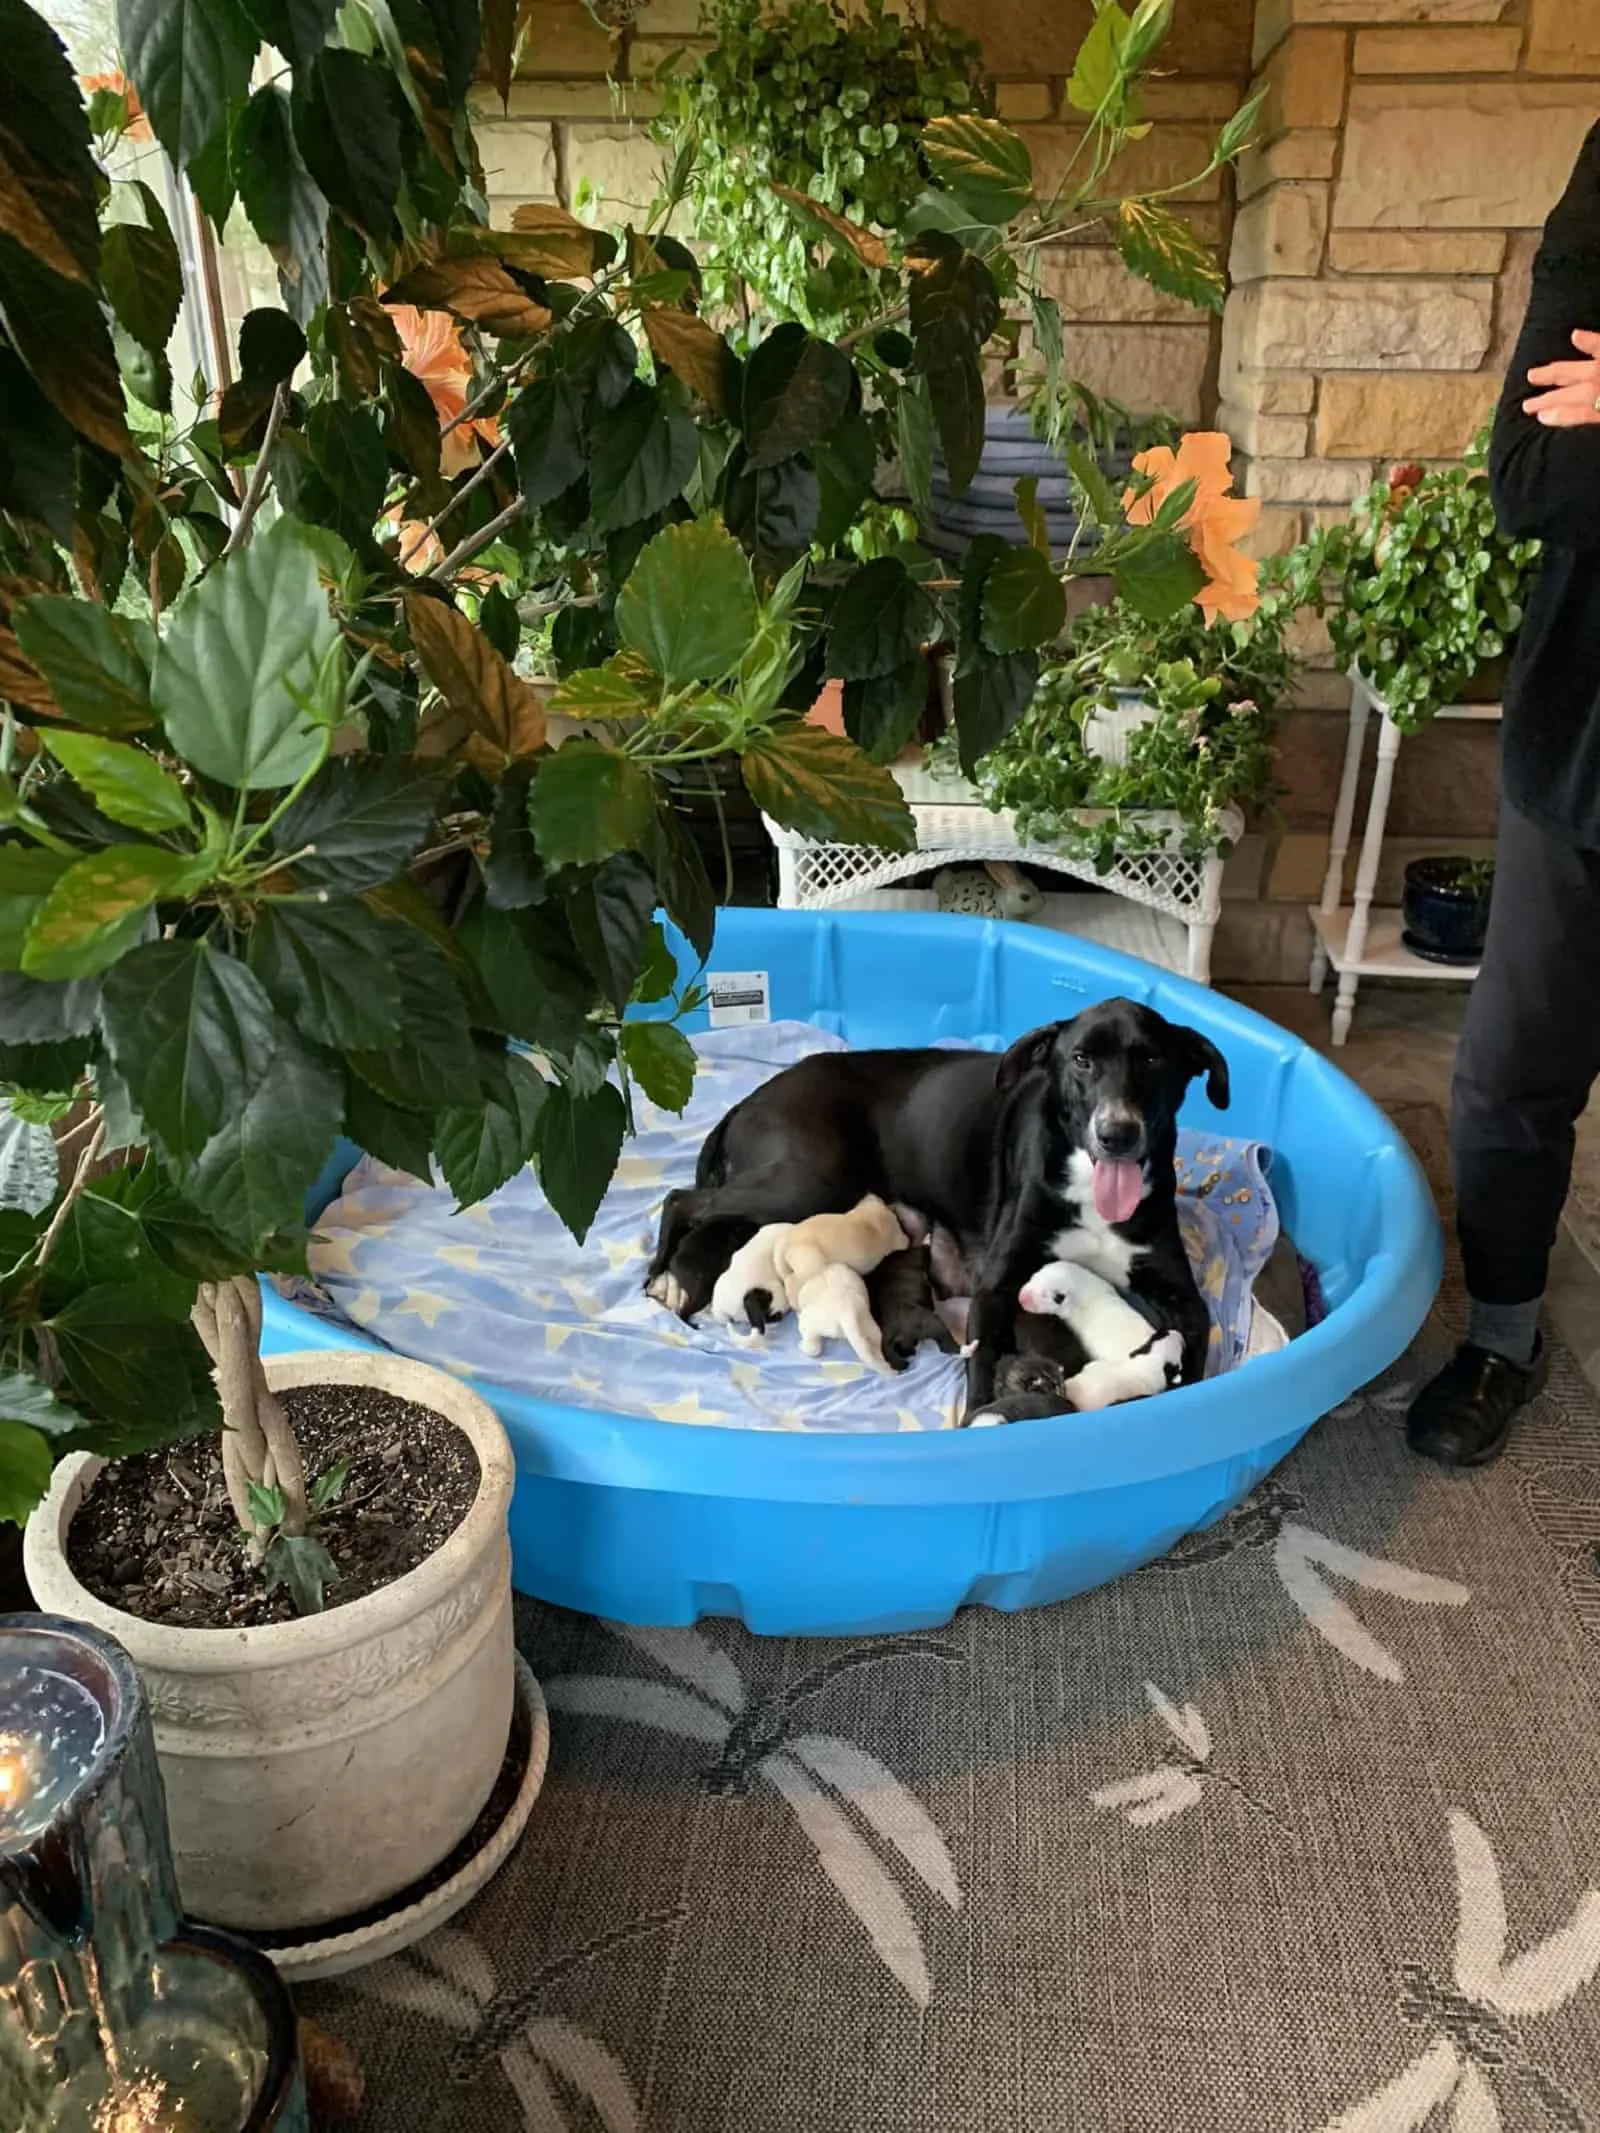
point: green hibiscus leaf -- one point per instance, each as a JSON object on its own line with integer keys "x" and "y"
{"x": 148, "y": 1376}
{"x": 878, "y": 621}
{"x": 612, "y": 920}
{"x": 589, "y": 801}
{"x": 127, "y": 784}
{"x": 251, "y": 1178}
{"x": 580, "y": 1139}
{"x": 100, "y": 907}
{"x": 324, "y": 968}
{"x": 189, "y": 60}
{"x": 824, "y": 787}
{"x": 990, "y": 695}
{"x": 480, "y": 1146}
{"x": 689, "y": 606}
{"x": 358, "y": 822}
{"x": 881, "y": 713}
{"x": 641, "y": 453}
{"x": 26, "y": 1464}
{"x": 984, "y": 164}
{"x": 1162, "y": 249}
{"x": 797, "y": 390}
{"x": 25, "y": 1398}
{"x": 237, "y": 675}
{"x": 1024, "y": 602}
{"x": 661, "y": 1060}
{"x": 192, "y": 1034}
{"x": 141, "y": 273}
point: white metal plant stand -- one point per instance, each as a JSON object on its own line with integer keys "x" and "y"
{"x": 955, "y": 828}
{"x": 1359, "y": 939}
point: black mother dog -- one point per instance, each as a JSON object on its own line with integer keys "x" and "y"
{"x": 1061, "y": 1147}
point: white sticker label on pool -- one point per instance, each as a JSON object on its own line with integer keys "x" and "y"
{"x": 737, "y": 996}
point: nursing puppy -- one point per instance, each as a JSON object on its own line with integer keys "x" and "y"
{"x": 1031, "y": 1388}
{"x": 833, "y": 1306}
{"x": 860, "y": 1240}
{"x": 900, "y": 1291}
{"x": 751, "y": 1291}
{"x": 1109, "y": 1327}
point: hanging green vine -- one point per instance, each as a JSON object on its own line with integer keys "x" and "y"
{"x": 800, "y": 95}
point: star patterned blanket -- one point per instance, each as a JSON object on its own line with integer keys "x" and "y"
{"x": 501, "y": 1292}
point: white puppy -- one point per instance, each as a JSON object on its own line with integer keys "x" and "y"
{"x": 1101, "y": 1318}
{"x": 860, "y": 1240}
{"x": 833, "y": 1306}
{"x": 1109, "y": 1382}
{"x": 753, "y": 1272}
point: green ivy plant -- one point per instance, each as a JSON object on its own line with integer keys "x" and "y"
{"x": 1214, "y": 689}
{"x": 1421, "y": 588}
{"x": 287, "y": 855}
{"x": 808, "y": 107}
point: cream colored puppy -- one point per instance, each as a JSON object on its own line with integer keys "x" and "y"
{"x": 833, "y": 1306}
{"x": 751, "y": 1291}
{"x": 860, "y": 1240}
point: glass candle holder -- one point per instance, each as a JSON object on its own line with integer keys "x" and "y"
{"x": 114, "y": 2016}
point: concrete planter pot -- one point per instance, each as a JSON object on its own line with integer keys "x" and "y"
{"x": 315, "y": 1768}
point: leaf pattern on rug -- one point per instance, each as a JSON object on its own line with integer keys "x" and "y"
{"x": 1300, "y": 1555}
{"x": 1179, "y": 1783}
{"x": 1477, "y": 2019}
{"x": 823, "y": 1779}
{"x": 449, "y": 1978}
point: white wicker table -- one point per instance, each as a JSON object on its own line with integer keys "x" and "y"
{"x": 954, "y": 828}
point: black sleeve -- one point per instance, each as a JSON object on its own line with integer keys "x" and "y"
{"x": 1546, "y": 482}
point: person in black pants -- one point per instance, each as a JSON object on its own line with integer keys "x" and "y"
{"x": 1530, "y": 1048}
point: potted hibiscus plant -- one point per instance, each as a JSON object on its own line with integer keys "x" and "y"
{"x": 289, "y": 860}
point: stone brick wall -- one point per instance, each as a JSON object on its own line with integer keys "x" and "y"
{"x": 1384, "y": 229}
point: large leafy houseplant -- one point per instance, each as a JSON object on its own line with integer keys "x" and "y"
{"x": 285, "y": 850}
{"x": 1421, "y": 588}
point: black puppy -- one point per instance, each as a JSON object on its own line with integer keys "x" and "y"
{"x": 900, "y": 1291}
{"x": 1027, "y": 1388}
{"x": 1061, "y": 1147}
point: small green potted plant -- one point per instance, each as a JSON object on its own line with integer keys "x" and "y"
{"x": 1423, "y": 592}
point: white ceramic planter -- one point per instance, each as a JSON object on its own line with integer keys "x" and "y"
{"x": 316, "y": 1767}
{"x": 1109, "y": 728}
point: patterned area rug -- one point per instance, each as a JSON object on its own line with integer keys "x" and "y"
{"x": 1297, "y": 1831}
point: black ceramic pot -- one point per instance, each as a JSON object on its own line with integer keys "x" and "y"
{"x": 1445, "y": 910}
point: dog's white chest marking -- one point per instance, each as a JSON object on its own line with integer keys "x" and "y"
{"x": 1092, "y": 1242}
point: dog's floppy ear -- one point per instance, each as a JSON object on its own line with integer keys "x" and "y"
{"x": 1026, "y": 1054}
{"x": 1200, "y": 1056}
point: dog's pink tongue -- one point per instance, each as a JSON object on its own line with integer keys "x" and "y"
{"x": 1118, "y": 1189}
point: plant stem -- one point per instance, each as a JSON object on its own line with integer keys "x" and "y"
{"x": 459, "y": 496}
{"x": 258, "y": 475}
{"x": 80, "y": 1178}
{"x": 479, "y": 540}
{"x": 241, "y": 852}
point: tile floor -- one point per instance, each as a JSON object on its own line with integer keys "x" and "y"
{"x": 1400, "y": 1049}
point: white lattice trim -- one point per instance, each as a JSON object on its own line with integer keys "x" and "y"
{"x": 1184, "y": 885}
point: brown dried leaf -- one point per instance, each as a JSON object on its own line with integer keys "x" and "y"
{"x": 477, "y": 289}
{"x": 491, "y": 714}
{"x": 694, "y": 350}
{"x": 870, "y": 250}
{"x": 22, "y": 684}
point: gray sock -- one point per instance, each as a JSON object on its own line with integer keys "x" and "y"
{"x": 1511, "y": 1330}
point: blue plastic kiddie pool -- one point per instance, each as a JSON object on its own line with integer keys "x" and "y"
{"x": 830, "y": 1534}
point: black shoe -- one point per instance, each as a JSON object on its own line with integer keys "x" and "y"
{"x": 1464, "y": 1417}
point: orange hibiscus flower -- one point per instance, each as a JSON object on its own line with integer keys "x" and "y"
{"x": 433, "y": 354}
{"x": 118, "y": 84}
{"x": 1212, "y": 523}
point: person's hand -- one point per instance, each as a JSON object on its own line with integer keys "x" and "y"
{"x": 1571, "y": 394}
